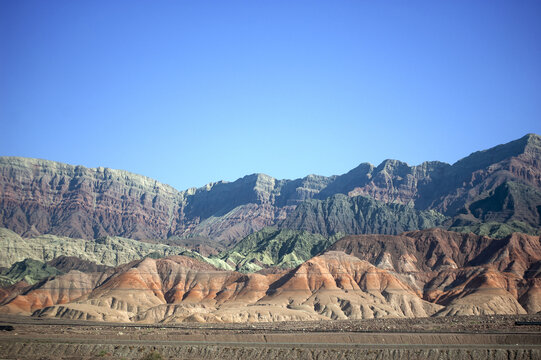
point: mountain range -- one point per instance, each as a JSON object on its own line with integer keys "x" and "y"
{"x": 500, "y": 185}
{"x": 390, "y": 240}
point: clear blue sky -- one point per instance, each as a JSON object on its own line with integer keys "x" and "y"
{"x": 189, "y": 92}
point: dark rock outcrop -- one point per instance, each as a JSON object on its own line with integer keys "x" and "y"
{"x": 359, "y": 215}
{"x": 68, "y": 263}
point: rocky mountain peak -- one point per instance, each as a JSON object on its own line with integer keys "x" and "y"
{"x": 393, "y": 167}
{"x": 532, "y": 138}
{"x": 484, "y": 158}
{"x": 533, "y": 145}
{"x": 264, "y": 187}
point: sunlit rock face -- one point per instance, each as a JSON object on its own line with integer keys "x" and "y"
{"x": 40, "y": 196}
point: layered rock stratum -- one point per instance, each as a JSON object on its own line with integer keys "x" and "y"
{"x": 103, "y": 244}
{"x": 46, "y": 197}
{"x": 111, "y": 251}
{"x": 416, "y": 274}
{"x": 499, "y": 186}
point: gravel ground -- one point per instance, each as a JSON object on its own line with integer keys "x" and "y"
{"x": 476, "y": 337}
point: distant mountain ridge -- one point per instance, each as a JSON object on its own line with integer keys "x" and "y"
{"x": 41, "y": 196}
{"x": 501, "y": 185}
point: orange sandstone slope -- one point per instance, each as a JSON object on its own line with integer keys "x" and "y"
{"x": 55, "y": 290}
{"x": 331, "y": 286}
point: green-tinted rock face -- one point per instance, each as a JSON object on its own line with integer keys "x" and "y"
{"x": 273, "y": 247}
{"x": 29, "y": 270}
{"x": 497, "y": 230}
{"x": 111, "y": 251}
{"x": 359, "y": 215}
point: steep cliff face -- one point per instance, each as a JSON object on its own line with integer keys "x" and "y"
{"x": 358, "y": 215}
{"x": 392, "y": 181}
{"x": 40, "y": 196}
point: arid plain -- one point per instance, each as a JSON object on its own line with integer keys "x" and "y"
{"x": 427, "y": 338}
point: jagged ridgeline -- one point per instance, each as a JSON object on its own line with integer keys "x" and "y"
{"x": 492, "y": 192}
